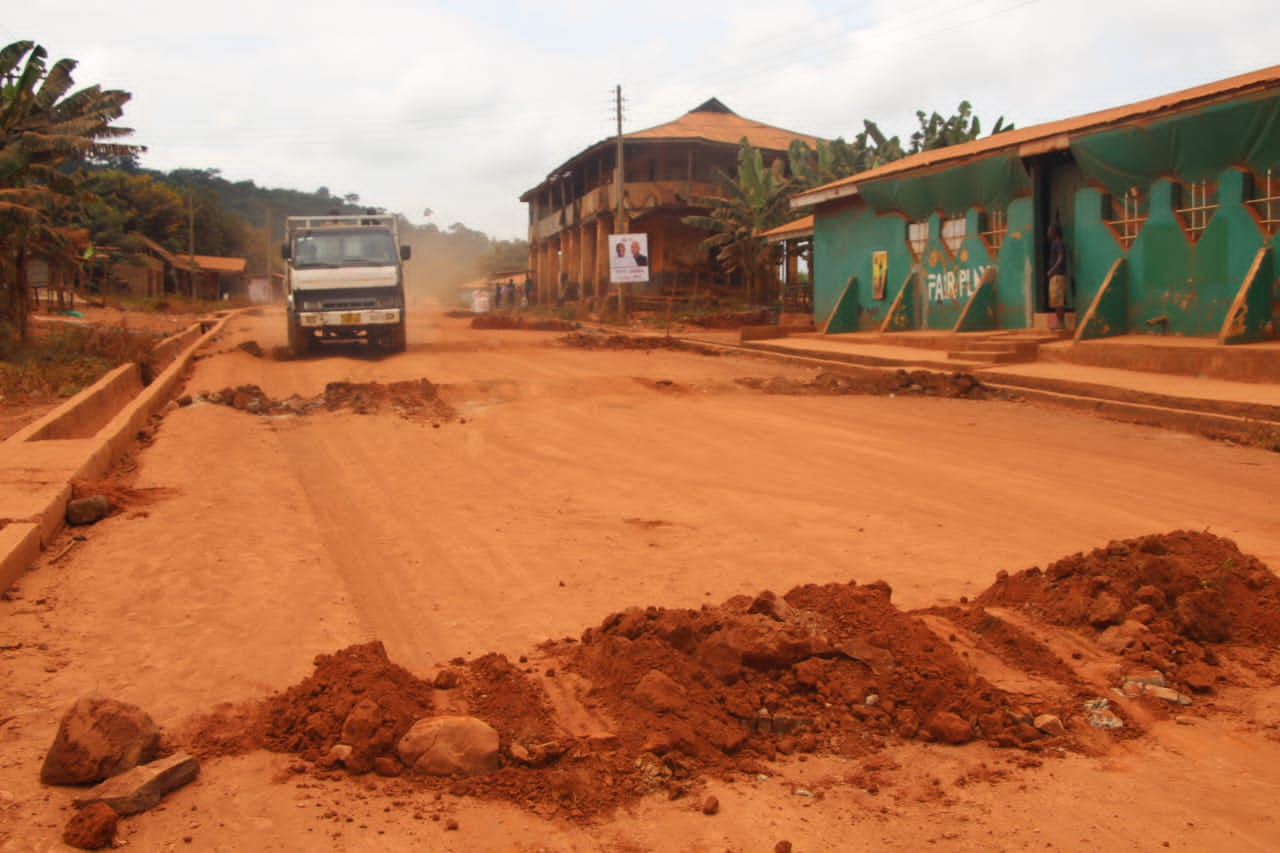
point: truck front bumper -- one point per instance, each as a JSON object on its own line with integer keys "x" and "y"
{"x": 369, "y": 317}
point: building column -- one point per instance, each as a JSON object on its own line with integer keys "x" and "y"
{"x": 586, "y": 257}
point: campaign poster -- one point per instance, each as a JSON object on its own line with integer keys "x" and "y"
{"x": 628, "y": 257}
{"x": 879, "y": 273}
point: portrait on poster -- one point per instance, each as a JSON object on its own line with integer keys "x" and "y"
{"x": 628, "y": 257}
{"x": 879, "y": 273}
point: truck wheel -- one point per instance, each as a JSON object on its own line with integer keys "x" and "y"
{"x": 299, "y": 341}
{"x": 397, "y": 341}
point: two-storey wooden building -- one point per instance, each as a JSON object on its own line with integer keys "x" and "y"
{"x": 666, "y": 169}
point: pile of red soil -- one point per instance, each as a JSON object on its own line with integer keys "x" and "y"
{"x": 683, "y": 693}
{"x": 515, "y": 321}
{"x": 414, "y": 399}
{"x": 1163, "y": 601}
{"x": 598, "y": 341}
{"x": 670, "y": 696}
{"x": 920, "y": 382}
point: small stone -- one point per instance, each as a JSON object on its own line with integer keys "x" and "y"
{"x": 144, "y": 786}
{"x": 1107, "y": 609}
{"x": 92, "y": 828}
{"x": 782, "y": 847}
{"x": 710, "y": 806}
{"x": 339, "y": 753}
{"x": 442, "y": 746}
{"x": 950, "y": 728}
{"x": 1167, "y": 694}
{"x": 1051, "y": 725}
{"x": 88, "y": 510}
{"x": 1200, "y": 677}
{"x": 387, "y": 767}
{"x": 1100, "y": 715}
{"x": 99, "y": 738}
{"x": 1150, "y": 677}
{"x": 451, "y": 825}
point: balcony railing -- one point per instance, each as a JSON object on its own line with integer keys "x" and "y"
{"x": 639, "y": 196}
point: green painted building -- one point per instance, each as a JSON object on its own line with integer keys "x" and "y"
{"x": 1169, "y": 209}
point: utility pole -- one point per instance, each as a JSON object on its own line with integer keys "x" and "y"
{"x": 618, "y": 224}
{"x": 191, "y": 239}
{"x": 266, "y": 247}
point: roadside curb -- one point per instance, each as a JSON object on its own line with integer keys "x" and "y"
{"x": 1200, "y": 415}
{"x": 29, "y": 532}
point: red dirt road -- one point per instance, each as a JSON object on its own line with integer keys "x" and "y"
{"x": 573, "y": 484}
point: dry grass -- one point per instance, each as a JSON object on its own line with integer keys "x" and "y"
{"x": 60, "y": 359}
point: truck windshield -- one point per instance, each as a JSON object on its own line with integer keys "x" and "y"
{"x": 344, "y": 248}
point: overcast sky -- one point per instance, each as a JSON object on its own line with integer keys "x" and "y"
{"x": 462, "y": 106}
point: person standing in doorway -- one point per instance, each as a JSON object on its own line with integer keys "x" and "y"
{"x": 1057, "y": 273}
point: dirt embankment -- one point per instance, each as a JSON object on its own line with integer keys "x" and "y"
{"x": 656, "y": 699}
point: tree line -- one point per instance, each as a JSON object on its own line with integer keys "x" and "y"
{"x": 73, "y": 194}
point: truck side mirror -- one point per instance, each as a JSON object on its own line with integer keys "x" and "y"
{"x": 284, "y": 251}
{"x": 405, "y": 252}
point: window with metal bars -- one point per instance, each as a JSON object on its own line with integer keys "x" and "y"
{"x": 917, "y": 237}
{"x": 1124, "y": 215}
{"x": 992, "y": 226}
{"x": 1194, "y": 205}
{"x": 953, "y": 234}
{"x": 1264, "y": 199}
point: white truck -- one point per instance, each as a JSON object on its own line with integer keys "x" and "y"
{"x": 345, "y": 280}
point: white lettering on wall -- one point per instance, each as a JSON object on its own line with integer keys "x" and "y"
{"x": 953, "y": 284}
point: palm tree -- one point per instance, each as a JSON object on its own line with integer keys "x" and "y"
{"x": 42, "y": 127}
{"x": 938, "y": 132}
{"x": 753, "y": 203}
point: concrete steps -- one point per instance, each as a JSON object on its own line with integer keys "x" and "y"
{"x": 1004, "y": 348}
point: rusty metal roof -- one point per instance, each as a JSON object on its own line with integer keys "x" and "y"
{"x": 214, "y": 263}
{"x": 802, "y": 227}
{"x": 714, "y": 122}
{"x": 710, "y": 121}
{"x": 1051, "y": 136}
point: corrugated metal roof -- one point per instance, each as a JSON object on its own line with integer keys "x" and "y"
{"x": 1051, "y": 136}
{"x": 802, "y": 227}
{"x": 214, "y": 263}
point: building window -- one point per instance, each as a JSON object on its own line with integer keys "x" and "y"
{"x": 992, "y": 226}
{"x": 1194, "y": 205}
{"x": 953, "y": 234}
{"x": 1124, "y": 215}
{"x": 917, "y": 237}
{"x": 1264, "y": 200}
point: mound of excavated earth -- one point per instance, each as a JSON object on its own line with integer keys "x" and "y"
{"x": 654, "y": 699}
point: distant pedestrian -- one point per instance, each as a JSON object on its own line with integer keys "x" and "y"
{"x": 1057, "y": 273}
{"x": 497, "y": 295}
{"x": 509, "y": 294}
{"x": 528, "y": 288}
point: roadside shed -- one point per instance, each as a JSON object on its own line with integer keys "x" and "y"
{"x": 1169, "y": 208}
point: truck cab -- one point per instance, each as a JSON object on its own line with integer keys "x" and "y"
{"x": 345, "y": 280}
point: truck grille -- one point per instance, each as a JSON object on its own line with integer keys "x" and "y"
{"x": 348, "y": 304}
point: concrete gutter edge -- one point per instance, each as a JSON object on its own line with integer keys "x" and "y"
{"x": 21, "y": 542}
